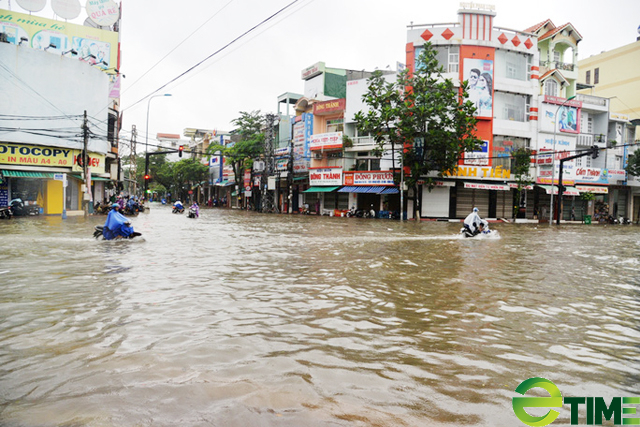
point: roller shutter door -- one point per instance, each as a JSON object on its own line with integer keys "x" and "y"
{"x": 435, "y": 203}
{"x": 468, "y": 198}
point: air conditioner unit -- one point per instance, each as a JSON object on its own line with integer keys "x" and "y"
{"x": 317, "y": 156}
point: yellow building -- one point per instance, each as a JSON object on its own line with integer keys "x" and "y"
{"x": 614, "y": 74}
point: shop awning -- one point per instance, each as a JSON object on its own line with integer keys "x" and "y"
{"x": 569, "y": 191}
{"x": 487, "y": 186}
{"x": 26, "y": 174}
{"x": 361, "y": 189}
{"x": 320, "y": 189}
{"x": 225, "y": 183}
{"x": 390, "y": 190}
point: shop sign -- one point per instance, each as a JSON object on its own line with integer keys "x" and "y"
{"x": 96, "y": 162}
{"x": 313, "y": 70}
{"x": 332, "y": 106}
{"x": 595, "y": 190}
{"x": 325, "y": 176}
{"x": 326, "y": 141}
{"x": 368, "y": 178}
{"x": 478, "y": 186}
{"x": 478, "y": 172}
{"x": 18, "y": 154}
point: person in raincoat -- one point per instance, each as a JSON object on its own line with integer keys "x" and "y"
{"x": 117, "y": 225}
{"x": 196, "y": 209}
{"x": 474, "y": 223}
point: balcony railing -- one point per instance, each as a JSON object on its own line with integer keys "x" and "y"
{"x": 554, "y": 65}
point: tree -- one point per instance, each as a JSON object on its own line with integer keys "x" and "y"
{"x": 425, "y": 113}
{"x": 186, "y": 174}
{"x": 633, "y": 164}
{"x": 521, "y": 164}
{"x": 249, "y": 144}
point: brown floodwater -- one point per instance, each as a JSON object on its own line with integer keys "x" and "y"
{"x": 246, "y": 319}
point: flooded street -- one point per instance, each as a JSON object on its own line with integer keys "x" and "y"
{"x": 246, "y": 319}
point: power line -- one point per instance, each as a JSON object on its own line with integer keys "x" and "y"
{"x": 217, "y": 51}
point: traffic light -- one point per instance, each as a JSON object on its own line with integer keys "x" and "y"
{"x": 147, "y": 178}
{"x": 180, "y": 149}
{"x": 594, "y": 151}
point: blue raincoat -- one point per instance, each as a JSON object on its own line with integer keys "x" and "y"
{"x": 117, "y": 225}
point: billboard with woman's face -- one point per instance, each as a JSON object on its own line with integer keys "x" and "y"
{"x": 479, "y": 74}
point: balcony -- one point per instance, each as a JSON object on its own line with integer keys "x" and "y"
{"x": 563, "y": 66}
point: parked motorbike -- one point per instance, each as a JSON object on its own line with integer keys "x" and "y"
{"x": 5, "y": 212}
{"x": 18, "y": 208}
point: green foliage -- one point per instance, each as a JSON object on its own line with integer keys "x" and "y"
{"x": 520, "y": 167}
{"x": 187, "y": 173}
{"x": 422, "y": 112}
{"x": 587, "y": 196}
{"x": 249, "y": 145}
{"x": 633, "y": 164}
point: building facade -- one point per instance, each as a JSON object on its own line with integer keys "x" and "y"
{"x": 59, "y": 117}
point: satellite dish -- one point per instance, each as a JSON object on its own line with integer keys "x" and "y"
{"x": 67, "y": 9}
{"x": 32, "y": 5}
{"x": 103, "y": 13}
{"x": 89, "y": 23}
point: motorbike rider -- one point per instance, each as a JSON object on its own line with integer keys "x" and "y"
{"x": 196, "y": 209}
{"x": 473, "y": 223}
{"x": 116, "y": 225}
{"x": 178, "y": 206}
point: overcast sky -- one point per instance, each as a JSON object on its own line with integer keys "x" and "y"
{"x": 162, "y": 39}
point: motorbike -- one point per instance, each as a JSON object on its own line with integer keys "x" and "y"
{"x": 178, "y": 209}
{"x": 117, "y": 226}
{"x": 193, "y": 212}
{"x": 484, "y": 230}
{"x": 18, "y": 208}
{"x": 5, "y": 212}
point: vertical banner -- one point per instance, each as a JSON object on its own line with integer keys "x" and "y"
{"x": 479, "y": 74}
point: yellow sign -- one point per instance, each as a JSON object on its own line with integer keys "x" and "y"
{"x": 92, "y": 45}
{"x": 33, "y": 155}
{"x": 480, "y": 172}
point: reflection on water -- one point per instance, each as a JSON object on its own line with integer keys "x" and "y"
{"x": 239, "y": 319}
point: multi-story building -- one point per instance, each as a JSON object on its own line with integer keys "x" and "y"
{"x": 611, "y": 76}
{"x": 501, "y": 66}
{"x": 63, "y": 85}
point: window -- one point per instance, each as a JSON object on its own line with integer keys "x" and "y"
{"x": 516, "y": 65}
{"x": 453, "y": 59}
{"x": 503, "y": 147}
{"x": 556, "y": 57}
{"x": 335, "y": 125}
{"x": 588, "y": 77}
{"x": 551, "y": 88}
{"x": 510, "y": 106}
{"x": 590, "y": 125}
{"x": 596, "y": 76}
{"x": 448, "y": 57}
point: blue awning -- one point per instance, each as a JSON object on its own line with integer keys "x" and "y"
{"x": 371, "y": 189}
{"x": 390, "y": 190}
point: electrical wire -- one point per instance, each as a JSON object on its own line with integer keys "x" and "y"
{"x": 264, "y": 21}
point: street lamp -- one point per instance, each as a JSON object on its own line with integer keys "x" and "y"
{"x": 553, "y": 161}
{"x": 146, "y": 144}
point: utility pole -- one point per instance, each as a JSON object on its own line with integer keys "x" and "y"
{"x": 85, "y": 132}
{"x": 268, "y": 204}
{"x": 133, "y": 169}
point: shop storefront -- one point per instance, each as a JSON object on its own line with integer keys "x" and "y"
{"x": 35, "y": 175}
